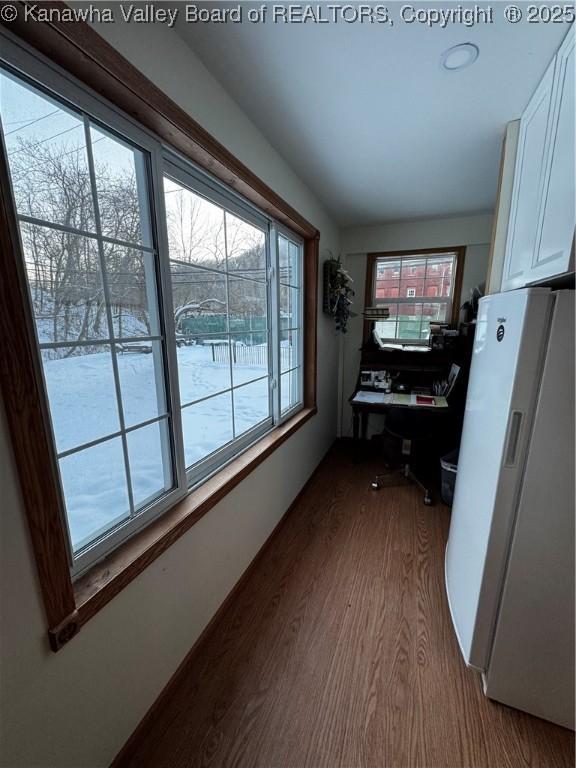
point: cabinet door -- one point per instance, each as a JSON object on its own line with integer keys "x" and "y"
{"x": 556, "y": 220}
{"x": 503, "y": 207}
{"x": 528, "y": 181}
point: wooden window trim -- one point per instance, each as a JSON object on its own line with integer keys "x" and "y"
{"x": 78, "y": 48}
{"x": 459, "y": 250}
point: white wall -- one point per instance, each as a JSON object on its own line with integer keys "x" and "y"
{"x": 472, "y": 231}
{"x": 76, "y": 708}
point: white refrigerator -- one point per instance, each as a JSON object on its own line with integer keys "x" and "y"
{"x": 510, "y": 553}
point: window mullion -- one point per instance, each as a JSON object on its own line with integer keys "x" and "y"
{"x": 108, "y": 305}
{"x": 274, "y": 312}
{"x": 82, "y": 233}
{"x": 166, "y": 309}
{"x": 228, "y": 326}
{"x": 414, "y": 300}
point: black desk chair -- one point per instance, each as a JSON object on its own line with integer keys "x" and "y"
{"x": 414, "y": 428}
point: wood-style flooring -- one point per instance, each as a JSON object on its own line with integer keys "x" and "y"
{"x": 338, "y": 652}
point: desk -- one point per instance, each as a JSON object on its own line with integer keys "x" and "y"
{"x": 415, "y": 370}
{"x": 362, "y": 410}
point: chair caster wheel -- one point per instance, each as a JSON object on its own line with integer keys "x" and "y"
{"x": 375, "y": 486}
{"x": 428, "y": 500}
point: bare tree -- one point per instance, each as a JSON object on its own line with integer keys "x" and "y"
{"x": 52, "y": 183}
{"x": 205, "y": 242}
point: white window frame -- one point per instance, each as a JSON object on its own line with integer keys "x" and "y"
{"x": 298, "y": 370}
{"x": 26, "y": 64}
{"x": 446, "y": 301}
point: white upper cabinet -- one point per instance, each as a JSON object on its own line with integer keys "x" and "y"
{"x": 556, "y": 219}
{"x": 528, "y": 178}
{"x": 541, "y": 225}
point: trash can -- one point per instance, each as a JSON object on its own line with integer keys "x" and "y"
{"x": 449, "y": 464}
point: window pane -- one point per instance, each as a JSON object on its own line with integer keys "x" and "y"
{"x": 440, "y": 266}
{"x": 131, "y": 276}
{"x": 149, "y": 457}
{"x": 386, "y": 289}
{"x": 411, "y": 287}
{"x": 289, "y": 307}
{"x": 120, "y": 172}
{"x": 386, "y": 329}
{"x": 246, "y": 249}
{"x": 413, "y": 268}
{"x": 251, "y": 405}
{"x": 409, "y": 317}
{"x": 200, "y": 308}
{"x": 46, "y": 148}
{"x": 248, "y": 305}
{"x": 65, "y": 285}
{"x": 207, "y": 426}
{"x": 204, "y": 367}
{"x": 388, "y": 269}
{"x": 289, "y": 390}
{"x": 249, "y": 357}
{"x": 432, "y": 313}
{"x": 140, "y": 369}
{"x": 289, "y": 349}
{"x": 81, "y": 394}
{"x": 199, "y": 296}
{"x": 288, "y": 261}
{"x": 439, "y": 276}
{"x": 95, "y": 491}
{"x": 195, "y": 227}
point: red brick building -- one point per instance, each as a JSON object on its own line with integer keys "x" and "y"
{"x": 413, "y": 281}
{"x": 395, "y": 279}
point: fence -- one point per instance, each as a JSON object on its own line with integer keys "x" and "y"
{"x": 249, "y": 355}
{"x": 250, "y": 329}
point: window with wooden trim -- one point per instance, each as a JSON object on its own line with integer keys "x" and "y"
{"x": 418, "y": 288}
{"x": 168, "y": 310}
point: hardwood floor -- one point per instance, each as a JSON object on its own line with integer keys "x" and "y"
{"x": 338, "y": 652}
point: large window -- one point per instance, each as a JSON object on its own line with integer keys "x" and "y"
{"x": 418, "y": 289}
{"x": 167, "y": 311}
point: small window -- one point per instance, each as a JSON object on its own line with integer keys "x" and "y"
{"x": 417, "y": 289}
{"x": 290, "y": 320}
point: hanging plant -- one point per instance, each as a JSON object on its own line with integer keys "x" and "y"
{"x": 337, "y": 293}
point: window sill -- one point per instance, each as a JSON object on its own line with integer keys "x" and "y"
{"x": 107, "y": 578}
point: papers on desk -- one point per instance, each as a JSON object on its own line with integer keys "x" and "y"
{"x": 372, "y": 398}
{"x": 415, "y": 348}
{"x": 366, "y": 397}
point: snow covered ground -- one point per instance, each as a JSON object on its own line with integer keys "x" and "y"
{"x": 84, "y": 408}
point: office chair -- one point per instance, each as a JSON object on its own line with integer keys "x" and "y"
{"x": 413, "y": 428}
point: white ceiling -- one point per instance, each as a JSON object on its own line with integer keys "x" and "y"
{"x": 366, "y": 116}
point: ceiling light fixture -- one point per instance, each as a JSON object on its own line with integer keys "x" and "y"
{"x": 459, "y": 57}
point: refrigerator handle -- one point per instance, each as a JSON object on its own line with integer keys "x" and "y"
{"x": 513, "y": 437}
